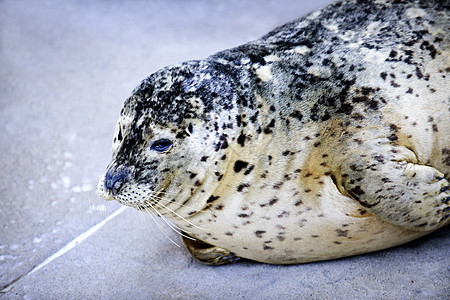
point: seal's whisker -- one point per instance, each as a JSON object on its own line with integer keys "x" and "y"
{"x": 178, "y": 215}
{"x": 180, "y": 204}
{"x": 137, "y": 211}
{"x": 174, "y": 227}
{"x": 171, "y": 212}
{"x": 99, "y": 206}
{"x": 159, "y": 226}
{"x": 187, "y": 206}
{"x": 141, "y": 209}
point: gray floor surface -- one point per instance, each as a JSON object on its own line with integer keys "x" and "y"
{"x": 65, "y": 69}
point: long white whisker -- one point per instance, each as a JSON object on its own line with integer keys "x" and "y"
{"x": 178, "y": 215}
{"x": 149, "y": 221}
{"x": 182, "y": 205}
{"x": 145, "y": 219}
{"x": 172, "y": 226}
{"x": 160, "y": 227}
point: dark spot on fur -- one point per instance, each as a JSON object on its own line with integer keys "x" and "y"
{"x": 357, "y": 117}
{"x": 249, "y": 170}
{"x": 393, "y": 137}
{"x": 419, "y": 73}
{"x": 379, "y": 158}
{"x": 341, "y": 232}
{"x": 356, "y": 191}
{"x": 222, "y": 144}
{"x": 270, "y": 203}
{"x": 259, "y": 233}
{"x": 385, "y": 180}
{"x": 242, "y": 187}
{"x": 267, "y": 130}
{"x": 435, "y": 128}
{"x": 239, "y": 165}
{"x": 280, "y": 238}
{"x": 446, "y": 153}
{"x": 277, "y": 185}
{"x": 283, "y": 214}
{"x": 212, "y": 199}
{"x": 241, "y": 140}
{"x": 373, "y": 104}
{"x": 297, "y": 115}
{"x": 394, "y": 127}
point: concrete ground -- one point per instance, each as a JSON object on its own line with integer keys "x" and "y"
{"x": 65, "y": 69}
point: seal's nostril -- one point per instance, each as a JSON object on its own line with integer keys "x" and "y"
{"x": 115, "y": 179}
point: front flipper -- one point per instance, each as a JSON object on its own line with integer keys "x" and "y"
{"x": 208, "y": 254}
{"x": 387, "y": 180}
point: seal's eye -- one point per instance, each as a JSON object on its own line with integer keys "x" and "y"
{"x": 161, "y": 145}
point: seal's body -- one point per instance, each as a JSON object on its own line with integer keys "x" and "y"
{"x": 325, "y": 138}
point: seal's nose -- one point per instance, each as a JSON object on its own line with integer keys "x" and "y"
{"x": 114, "y": 179}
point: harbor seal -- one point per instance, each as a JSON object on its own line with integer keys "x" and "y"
{"x": 325, "y": 138}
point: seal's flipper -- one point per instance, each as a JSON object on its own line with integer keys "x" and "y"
{"x": 208, "y": 254}
{"x": 389, "y": 182}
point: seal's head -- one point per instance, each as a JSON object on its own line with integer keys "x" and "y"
{"x": 173, "y": 126}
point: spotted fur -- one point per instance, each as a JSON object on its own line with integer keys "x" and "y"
{"x": 325, "y": 138}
